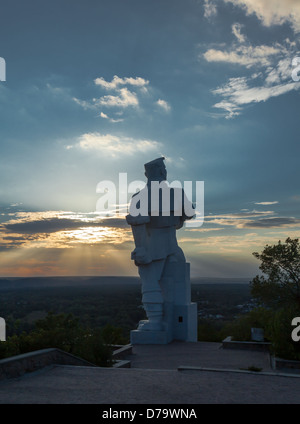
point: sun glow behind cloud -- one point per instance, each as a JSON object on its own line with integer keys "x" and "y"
{"x": 69, "y": 243}
{"x": 64, "y": 243}
{"x": 56, "y": 229}
{"x": 114, "y": 145}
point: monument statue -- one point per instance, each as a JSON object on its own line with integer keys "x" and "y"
{"x": 155, "y": 213}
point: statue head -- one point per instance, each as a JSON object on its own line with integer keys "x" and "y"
{"x": 156, "y": 170}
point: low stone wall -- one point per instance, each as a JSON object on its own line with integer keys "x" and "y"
{"x": 121, "y": 351}
{"x": 285, "y": 365}
{"x": 122, "y": 364}
{"x": 228, "y": 343}
{"x": 16, "y": 366}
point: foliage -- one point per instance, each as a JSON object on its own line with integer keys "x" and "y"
{"x": 240, "y": 329}
{"x": 279, "y": 331}
{"x": 94, "y": 306}
{"x": 280, "y": 264}
{"x": 62, "y": 331}
{"x": 278, "y": 292}
{"x": 211, "y": 330}
{"x": 112, "y": 335}
{"x": 10, "y": 347}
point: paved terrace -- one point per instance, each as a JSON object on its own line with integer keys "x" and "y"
{"x": 155, "y": 379}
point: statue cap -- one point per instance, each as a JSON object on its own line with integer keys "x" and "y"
{"x": 154, "y": 164}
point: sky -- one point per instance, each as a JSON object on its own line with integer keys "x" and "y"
{"x": 97, "y": 88}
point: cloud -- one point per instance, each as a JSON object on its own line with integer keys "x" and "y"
{"x": 55, "y": 229}
{"x": 83, "y": 103}
{"x": 235, "y": 219}
{"x": 260, "y": 219}
{"x": 267, "y": 203}
{"x": 210, "y": 9}
{"x": 117, "y": 81}
{"x": 237, "y": 93}
{"x": 47, "y": 225}
{"x": 164, "y": 105}
{"x": 67, "y": 229}
{"x": 247, "y": 214}
{"x": 244, "y": 55}
{"x": 104, "y": 116}
{"x": 272, "y": 223}
{"x": 122, "y": 95}
{"x": 236, "y": 30}
{"x": 124, "y": 99}
{"x": 202, "y": 230}
{"x": 272, "y": 63}
{"x": 53, "y": 221}
{"x": 272, "y": 12}
{"x": 114, "y": 145}
{"x": 281, "y": 72}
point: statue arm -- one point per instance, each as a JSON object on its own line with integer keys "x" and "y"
{"x": 139, "y": 231}
{"x": 188, "y": 210}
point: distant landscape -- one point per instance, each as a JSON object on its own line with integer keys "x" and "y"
{"x": 70, "y": 281}
{"x": 99, "y": 301}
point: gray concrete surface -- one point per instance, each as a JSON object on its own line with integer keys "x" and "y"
{"x": 16, "y": 366}
{"x": 154, "y": 379}
{"x": 201, "y": 354}
{"x": 82, "y": 385}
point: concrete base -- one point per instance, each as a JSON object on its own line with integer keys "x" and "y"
{"x": 149, "y": 337}
{"x": 179, "y": 314}
{"x": 185, "y": 322}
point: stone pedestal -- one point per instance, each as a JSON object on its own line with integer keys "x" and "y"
{"x": 149, "y": 337}
{"x": 180, "y": 315}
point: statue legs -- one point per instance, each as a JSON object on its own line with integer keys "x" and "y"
{"x": 152, "y": 295}
{"x": 166, "y": 297}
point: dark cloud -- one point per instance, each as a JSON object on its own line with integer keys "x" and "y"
{"x": 12, "y": 242}
{"x": 14, "y": 238}
{"x": 52, "y": 225}
{"x": 272, "y": 223}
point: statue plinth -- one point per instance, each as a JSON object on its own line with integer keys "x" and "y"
{"x": 179, "y": 314}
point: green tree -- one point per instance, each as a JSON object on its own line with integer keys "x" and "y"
{"x": 279, "y": 331}
{"x": 210, "y": 330}
{"x": 280, "y": 284}
{"x": 112, "y": 335}
{"x": 240, "y": 329}
{"x": 64, "y": 332}
{"x": 278, "y": 290}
